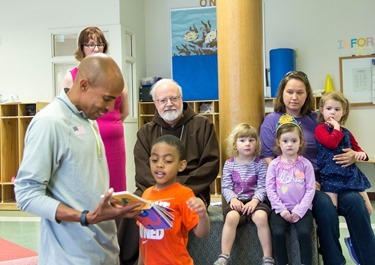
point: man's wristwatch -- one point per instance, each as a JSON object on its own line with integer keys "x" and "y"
{"x": 83, "y": 219}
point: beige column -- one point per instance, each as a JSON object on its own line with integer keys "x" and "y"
{"x": 240, "y": 64}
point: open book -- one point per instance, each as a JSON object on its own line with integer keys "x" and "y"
{"x": 152, "y": 215}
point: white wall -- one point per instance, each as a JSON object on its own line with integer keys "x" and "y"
{"x": 25, "y": 46}
{"x": 158, "y": 34}
{"x": 313, "y": 28}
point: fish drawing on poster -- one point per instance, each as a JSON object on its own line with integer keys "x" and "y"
{"x": 194, "y": 52}
{"x": 194, "y": 32}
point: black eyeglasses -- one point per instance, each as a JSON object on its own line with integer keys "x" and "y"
{"x": 165, "y": 100}
{"x": 296, "y": 73}
{"x": 92, "y": 46}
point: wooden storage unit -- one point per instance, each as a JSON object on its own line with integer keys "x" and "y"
{"x": 14, "y": 119}
{"x": 207, "y": 108}
{"x": 146, "y": 112}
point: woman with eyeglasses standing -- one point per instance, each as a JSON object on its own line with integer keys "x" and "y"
{"x": 91, "y": 40}
{"x": 295, "y": 98}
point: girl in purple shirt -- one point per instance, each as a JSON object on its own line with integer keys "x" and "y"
{"x": 243, "y": 187}
{"x": 290, "y": 186}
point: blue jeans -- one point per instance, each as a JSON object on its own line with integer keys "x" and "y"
{"x": 352, "y": 207}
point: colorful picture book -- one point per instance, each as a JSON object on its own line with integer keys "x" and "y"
{"x": 152, "y": 215}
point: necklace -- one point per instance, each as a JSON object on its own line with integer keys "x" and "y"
{"x": 182, "y": 131}
{"x": 284, "y": 166}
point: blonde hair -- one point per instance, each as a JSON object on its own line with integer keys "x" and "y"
{"x": 241, "y": 130}
{"x": 336, "y": 96}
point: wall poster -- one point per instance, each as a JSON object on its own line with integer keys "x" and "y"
{"x": 194, "y": 52}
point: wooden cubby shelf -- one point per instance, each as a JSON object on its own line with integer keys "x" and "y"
{"x": 14, "y": 119}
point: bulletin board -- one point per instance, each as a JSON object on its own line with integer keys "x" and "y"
{"x": 357, "y": 79}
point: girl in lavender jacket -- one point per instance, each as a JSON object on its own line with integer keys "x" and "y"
{"x": 290, "y": 186}
{"x": 243, "y": 187}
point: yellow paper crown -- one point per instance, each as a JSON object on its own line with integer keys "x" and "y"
{"x": 287, "y": 119}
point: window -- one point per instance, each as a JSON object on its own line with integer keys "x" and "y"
{"x": 64, "y": 44}
{"x": 59, "y": 71}
{"x": 63, "y": 47}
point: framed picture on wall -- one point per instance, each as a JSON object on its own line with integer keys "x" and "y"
{"x": 357, "y": 76}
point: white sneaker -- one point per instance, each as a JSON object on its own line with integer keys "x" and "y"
{"x": 222, "y": 260}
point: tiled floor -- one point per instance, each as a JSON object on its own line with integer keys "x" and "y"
{"x": 23, "y": 229}
{"x": 20, "y": 228}
{"x": 344, "y": 233}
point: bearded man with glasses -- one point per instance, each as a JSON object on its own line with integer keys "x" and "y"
{"x": 173, "y": 116}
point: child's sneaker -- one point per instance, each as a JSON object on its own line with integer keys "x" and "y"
{"x": 222, "y": 260}
{"x": 348, "y": 243}
{"x": 268, "y": 261}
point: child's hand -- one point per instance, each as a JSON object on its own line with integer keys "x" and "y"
{"x": 236, "y": 204}
{"x": 360, "y": 156}
{"x": 202, "y": 229}
{"x": 197, "y": 205}
{"x": 332, "y": 122}
{"x": 294, "y": 218}
{"x": 250, "y": 206}
{"x": 286, "y": 216}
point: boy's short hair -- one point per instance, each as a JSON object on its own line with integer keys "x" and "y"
{"x": 173, "y": 141}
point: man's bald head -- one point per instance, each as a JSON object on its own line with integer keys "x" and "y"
{"x": 98, "y": 83}
{"x": 100, "y": 69}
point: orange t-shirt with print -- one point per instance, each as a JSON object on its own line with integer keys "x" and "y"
{"x": 169, "y": 246}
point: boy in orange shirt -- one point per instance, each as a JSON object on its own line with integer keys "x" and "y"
{"x": 169, "y": 246}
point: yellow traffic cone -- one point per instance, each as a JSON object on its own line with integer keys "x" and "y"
{"x": 328, "y": 87}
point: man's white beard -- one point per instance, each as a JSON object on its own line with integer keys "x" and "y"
{"x": 173, "y": 115}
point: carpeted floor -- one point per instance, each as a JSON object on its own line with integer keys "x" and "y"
{"x": 11, "y": 253}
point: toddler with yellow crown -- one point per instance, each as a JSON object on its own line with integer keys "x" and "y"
{"x": 290, "y": 186}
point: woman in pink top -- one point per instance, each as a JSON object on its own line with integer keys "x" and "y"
{"x": 91, "y": 40}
